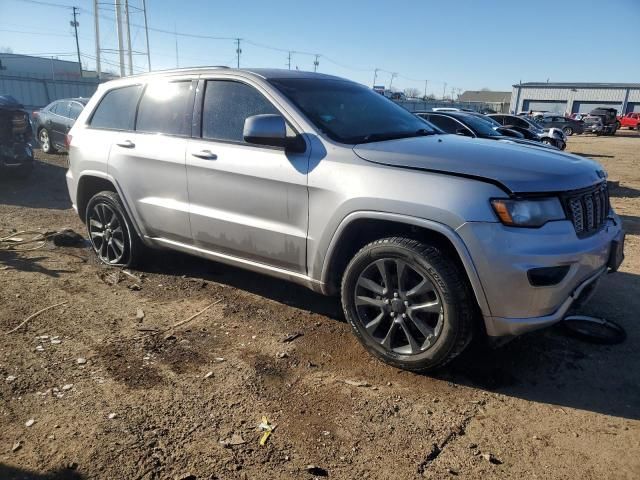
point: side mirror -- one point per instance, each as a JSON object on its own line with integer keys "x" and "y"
{"x": 267, "y": 129}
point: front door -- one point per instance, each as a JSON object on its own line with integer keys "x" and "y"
{"x": 246, "y": 200}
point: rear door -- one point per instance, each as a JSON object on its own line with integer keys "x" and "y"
{"x": 148, "y": 160}
{"x": 247, "y": 201}
{"x": 58, "y": 122}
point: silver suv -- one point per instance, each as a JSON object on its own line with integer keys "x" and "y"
{"x": 427, "y": 237}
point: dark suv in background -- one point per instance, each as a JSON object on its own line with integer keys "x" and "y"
{"x": 53, "y": 122}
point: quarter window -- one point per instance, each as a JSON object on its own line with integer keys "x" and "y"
{"x": 165, "y": 108}
{"x": 117, "y": 109}
{"x": 227, "y": 104}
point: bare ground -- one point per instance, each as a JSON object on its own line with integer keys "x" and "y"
{"x": 544, "y": 406}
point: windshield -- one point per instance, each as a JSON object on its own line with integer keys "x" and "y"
{"x": 480, "y": 125}
{"x": 351, "y": 113}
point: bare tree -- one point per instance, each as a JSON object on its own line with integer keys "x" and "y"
{"x": 412, "y": 92}
{"x": 485, "y": 89}
{"x": 6, "y": 50}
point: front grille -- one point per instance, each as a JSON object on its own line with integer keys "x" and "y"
{"x": 588, "y": 209}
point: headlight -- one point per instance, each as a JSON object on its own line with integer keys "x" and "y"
{"x": 528, "y": 213}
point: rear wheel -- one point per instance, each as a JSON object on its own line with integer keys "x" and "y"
{"x": 45, "y": 141}
{"x": 408, "y": 303}
{"x": 568, "y": 131}
{"x": 112, "y": 235}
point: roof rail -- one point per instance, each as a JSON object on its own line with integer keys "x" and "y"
{"x": 178, "y": 70}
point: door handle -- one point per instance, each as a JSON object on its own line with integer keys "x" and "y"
{"x": 126, "y": 144}
{"x": 205, "y": 155}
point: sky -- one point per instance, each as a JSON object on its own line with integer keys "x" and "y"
{"x": 460, "y": 44}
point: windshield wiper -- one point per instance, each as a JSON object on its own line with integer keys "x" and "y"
{"x": 379, "y": 137}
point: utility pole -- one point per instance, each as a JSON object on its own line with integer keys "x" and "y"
{"x": 316, "y": 63}
{"x": 75, "y": 24}
{"x": 444, "y": 89}
{"x": 119, "y": 29}
{"x": 146, "y": 32}
{"x": 426, "y": 82}
{"x": 97, "y": 29}
{"x": 130, "y": 56}
{"x": 393, "y": 75}
{"x": 289, "y": 60}
{"x": 238, "y": 52}
{"x": 175, "y": 34}
{"x": 375, "y": 76}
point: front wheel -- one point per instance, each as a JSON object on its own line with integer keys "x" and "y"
{"x": 568, "y": 131}
{"x": 112, "y": 235}
{"x": 408, "y": 303}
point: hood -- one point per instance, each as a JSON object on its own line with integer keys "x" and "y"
{"x": 517, "y": 168}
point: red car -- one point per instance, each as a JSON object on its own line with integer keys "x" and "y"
{"x": 631, "y": 120}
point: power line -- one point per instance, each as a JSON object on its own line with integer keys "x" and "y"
{"x": 237, "y": 40}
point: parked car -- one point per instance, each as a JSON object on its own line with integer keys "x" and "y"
{"x": 468, "y": 125}
{"x": 609, "y": 117}
{"x": 532, "y": 130}
{"x": 321, "y": 181}
{"x": 630, "y": 120}
{"x": 568, "y": 126}
{"x": 16, "y": 152}
{"x": 593, "y": 124}
{"x": 450, "y": 109}
{"x": 53, "y": 122}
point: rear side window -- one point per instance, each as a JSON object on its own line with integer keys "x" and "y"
{"x": 227, "y": 105}
{"x": 117, "y": 109}
{"x": 165, "y": 108}
{"x": 61, "y": 108}
{"x": 75, "y": 109}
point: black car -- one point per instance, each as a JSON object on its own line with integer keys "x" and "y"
{"x": 54, "y": 121}
{"x": 471, "y": 125}
{"x": 568, "y": 125}
{"x": 532, "y": 130}
{"x": 16, "y": 154}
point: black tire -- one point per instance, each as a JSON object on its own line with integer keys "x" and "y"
{"x": 44, "y": 138}
{"x": 568, "y": 131}
{"x": 453, "y": 329}
{"x": 106, "y": 218}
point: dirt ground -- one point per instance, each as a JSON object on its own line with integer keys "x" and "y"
{"x": 185, "y": 404}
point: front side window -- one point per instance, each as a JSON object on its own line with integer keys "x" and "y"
{"x": 447, "y": 124}
{"x": 165, "y": 108}
{"x": 350, "y": 113}
{"x": 117, "y": 109}
{"x": 227, "y": 104}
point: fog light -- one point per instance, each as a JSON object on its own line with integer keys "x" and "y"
{"x": 547, "y": 276}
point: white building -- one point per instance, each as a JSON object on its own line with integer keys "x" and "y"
{"x": 575, "y": 97}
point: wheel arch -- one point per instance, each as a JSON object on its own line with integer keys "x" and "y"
{"x": 93, "y": 182}
{"x": 360, "y": 228}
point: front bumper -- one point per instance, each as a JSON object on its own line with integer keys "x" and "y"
{"x": 503, "y": 256}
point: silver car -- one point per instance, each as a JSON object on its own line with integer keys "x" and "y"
{"x": 426, "y": 237}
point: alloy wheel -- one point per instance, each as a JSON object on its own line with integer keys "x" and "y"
{"x": 399, "y": 306}
{"x": 44, "y": 140}
{"x": 107, "y": 235}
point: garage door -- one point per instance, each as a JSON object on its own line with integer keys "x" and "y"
{"x": 633, "y": 107}
{"x": 586, "y": 107}
{"x": 544, "y": 106}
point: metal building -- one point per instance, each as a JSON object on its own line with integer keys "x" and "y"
{"x": 575, "y": 97}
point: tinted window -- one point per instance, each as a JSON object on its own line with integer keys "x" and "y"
{"x": 226, "y": 106}
{"x": 350, "y": 113}
{"x": 61, "y": 108}
{"x": 500, "y": 119}
{"x": 74, "y": 110}
{"x": 447, "y": 124}
{"x": 165, "y": 108}
{"x": 117, "y": 109}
